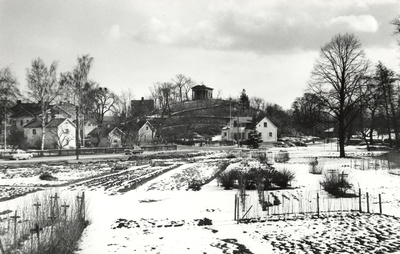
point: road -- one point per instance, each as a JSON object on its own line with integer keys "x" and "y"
{"x": 64, "y": 158}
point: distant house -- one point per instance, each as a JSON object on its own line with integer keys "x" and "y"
{"x": 106, "y": 137}
{"x": 237, "y": 129}
{"x": 146, "y": 133}
{"x": 60, "y": 133}
{"x": 23, "y": 113}
{"x": 202, "y": 92}
{"x": 268, "y": 130}
{"x": 142, "y": 107}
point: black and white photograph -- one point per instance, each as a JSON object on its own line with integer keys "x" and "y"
{"x": 199, "y": 126}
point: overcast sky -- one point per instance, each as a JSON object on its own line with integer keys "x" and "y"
{"x": 266, "y": 47}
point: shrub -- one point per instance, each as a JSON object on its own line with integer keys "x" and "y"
{"x": 335, "y": 184}
{"x": 315, "y": 167}
{"x": 46, "y": 176}
{"x": 227, "y": 178}
{"x": 282, "y": 157}
{"x": 283, "y": 177}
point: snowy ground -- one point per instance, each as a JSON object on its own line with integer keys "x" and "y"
{"x": 163, "y": 216}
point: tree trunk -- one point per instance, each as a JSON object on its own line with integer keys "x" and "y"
{"x": 341, "y": 135}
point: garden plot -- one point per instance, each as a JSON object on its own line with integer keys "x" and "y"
{"x": 18, "y": 181}
{"x": 162, "y": 215}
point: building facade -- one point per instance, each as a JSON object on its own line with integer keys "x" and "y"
{"x": 202, "y": 92}
{"x": 268, "y": 130}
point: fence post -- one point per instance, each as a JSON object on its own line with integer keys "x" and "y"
{"x": 234, "y": 215}
{"x": 15, "y": 217}
{"x": 367, "y": 202}
{"x": 238, "y": 210}
{"x": 1, "y": 247}
{"x": 380, "y": 204}
{"x": 359, "y": 200}
{"x": 318, "y": 204}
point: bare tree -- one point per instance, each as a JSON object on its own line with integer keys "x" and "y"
{"x": 9, "y": 92}
{"x": 61, "y": 137}
{"x": 188, "y": 86}
{"x": 257, "y": 102}
{"x": 44, "y": 88}
{"x": 77, "y": 81}
{"x": 100, "y": 101}
{"x": 336, "y": 79}
{"x": 180, "y": 82}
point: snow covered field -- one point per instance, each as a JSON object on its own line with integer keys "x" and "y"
{"x": 163, "y": 216}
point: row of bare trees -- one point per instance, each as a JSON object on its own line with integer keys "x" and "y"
{"x": 346, "y": 90}
{"x": 46, "y": 87}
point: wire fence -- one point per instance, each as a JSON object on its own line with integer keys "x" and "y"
{"x": 283, "y": 204}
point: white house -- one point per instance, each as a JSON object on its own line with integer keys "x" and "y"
{"x": 60, "y": 133}
{"x": 146, "y": 133}
{"x": 268, "y": 130}
{"x": 237, "y": 128}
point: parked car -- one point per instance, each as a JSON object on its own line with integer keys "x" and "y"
{"x": 134, "y": 150}
{"x": 299, "y": 143}
{"x": 279, "y": 144}
{"x": 20, "y": 155}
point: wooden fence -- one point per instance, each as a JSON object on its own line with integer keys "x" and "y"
{"x": 90, "y": 151}
{"x": 282, "y": 204}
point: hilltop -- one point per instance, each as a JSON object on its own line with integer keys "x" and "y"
{"x": 205, "y": 117}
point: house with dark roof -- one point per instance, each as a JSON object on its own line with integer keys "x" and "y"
{"x": 60, "y": 133}
{"x": 22, "y": 113}
{"x": 106, "y": 136}
{"x": 142, "y": 107}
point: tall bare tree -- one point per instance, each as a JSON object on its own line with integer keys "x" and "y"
{"x": 77, "y": 81}
{"x": 43, "y": 88}
{"x": 9, "y": 93}
{"x": 188, "y": 86}
{"x": 180, "y": 82}
{"x": 336, "y": 79}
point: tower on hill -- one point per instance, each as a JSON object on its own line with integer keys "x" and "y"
{"x": 201, "y": 92}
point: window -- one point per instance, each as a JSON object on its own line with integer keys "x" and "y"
{"x": 66, "y": 131}
{"x": 147, "y": 128}
{"x": 34, "y": 131}
{"x": 22, "y": 122}
{"x": 265, "y": 124}
{"x": 270, "y": 134}
{"x": 225, "y": 134}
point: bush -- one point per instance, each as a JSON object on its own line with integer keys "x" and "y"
{"x": 283, "y": 177}
{"x": 315, "y": 167}
{"x": 335, "y": 184}
{"x": 282, "y": 157}
{"x": 227, "y": 179}
{"x": 46, "y": 176}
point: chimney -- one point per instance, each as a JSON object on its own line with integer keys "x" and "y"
{"x": 142, "y": 98}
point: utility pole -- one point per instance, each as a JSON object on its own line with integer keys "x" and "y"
{"x": 77, "y": 132}
{"x": 5, "y": 124}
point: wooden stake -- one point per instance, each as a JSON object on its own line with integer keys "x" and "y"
{"x": 234, "y": 216}
{"x": 380, "y": 204}
{"x": 367, "y": 202}
{"x": 359, "y": 200}
{"x": 318, "y": 204}
{"x": 15, "y": 217}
